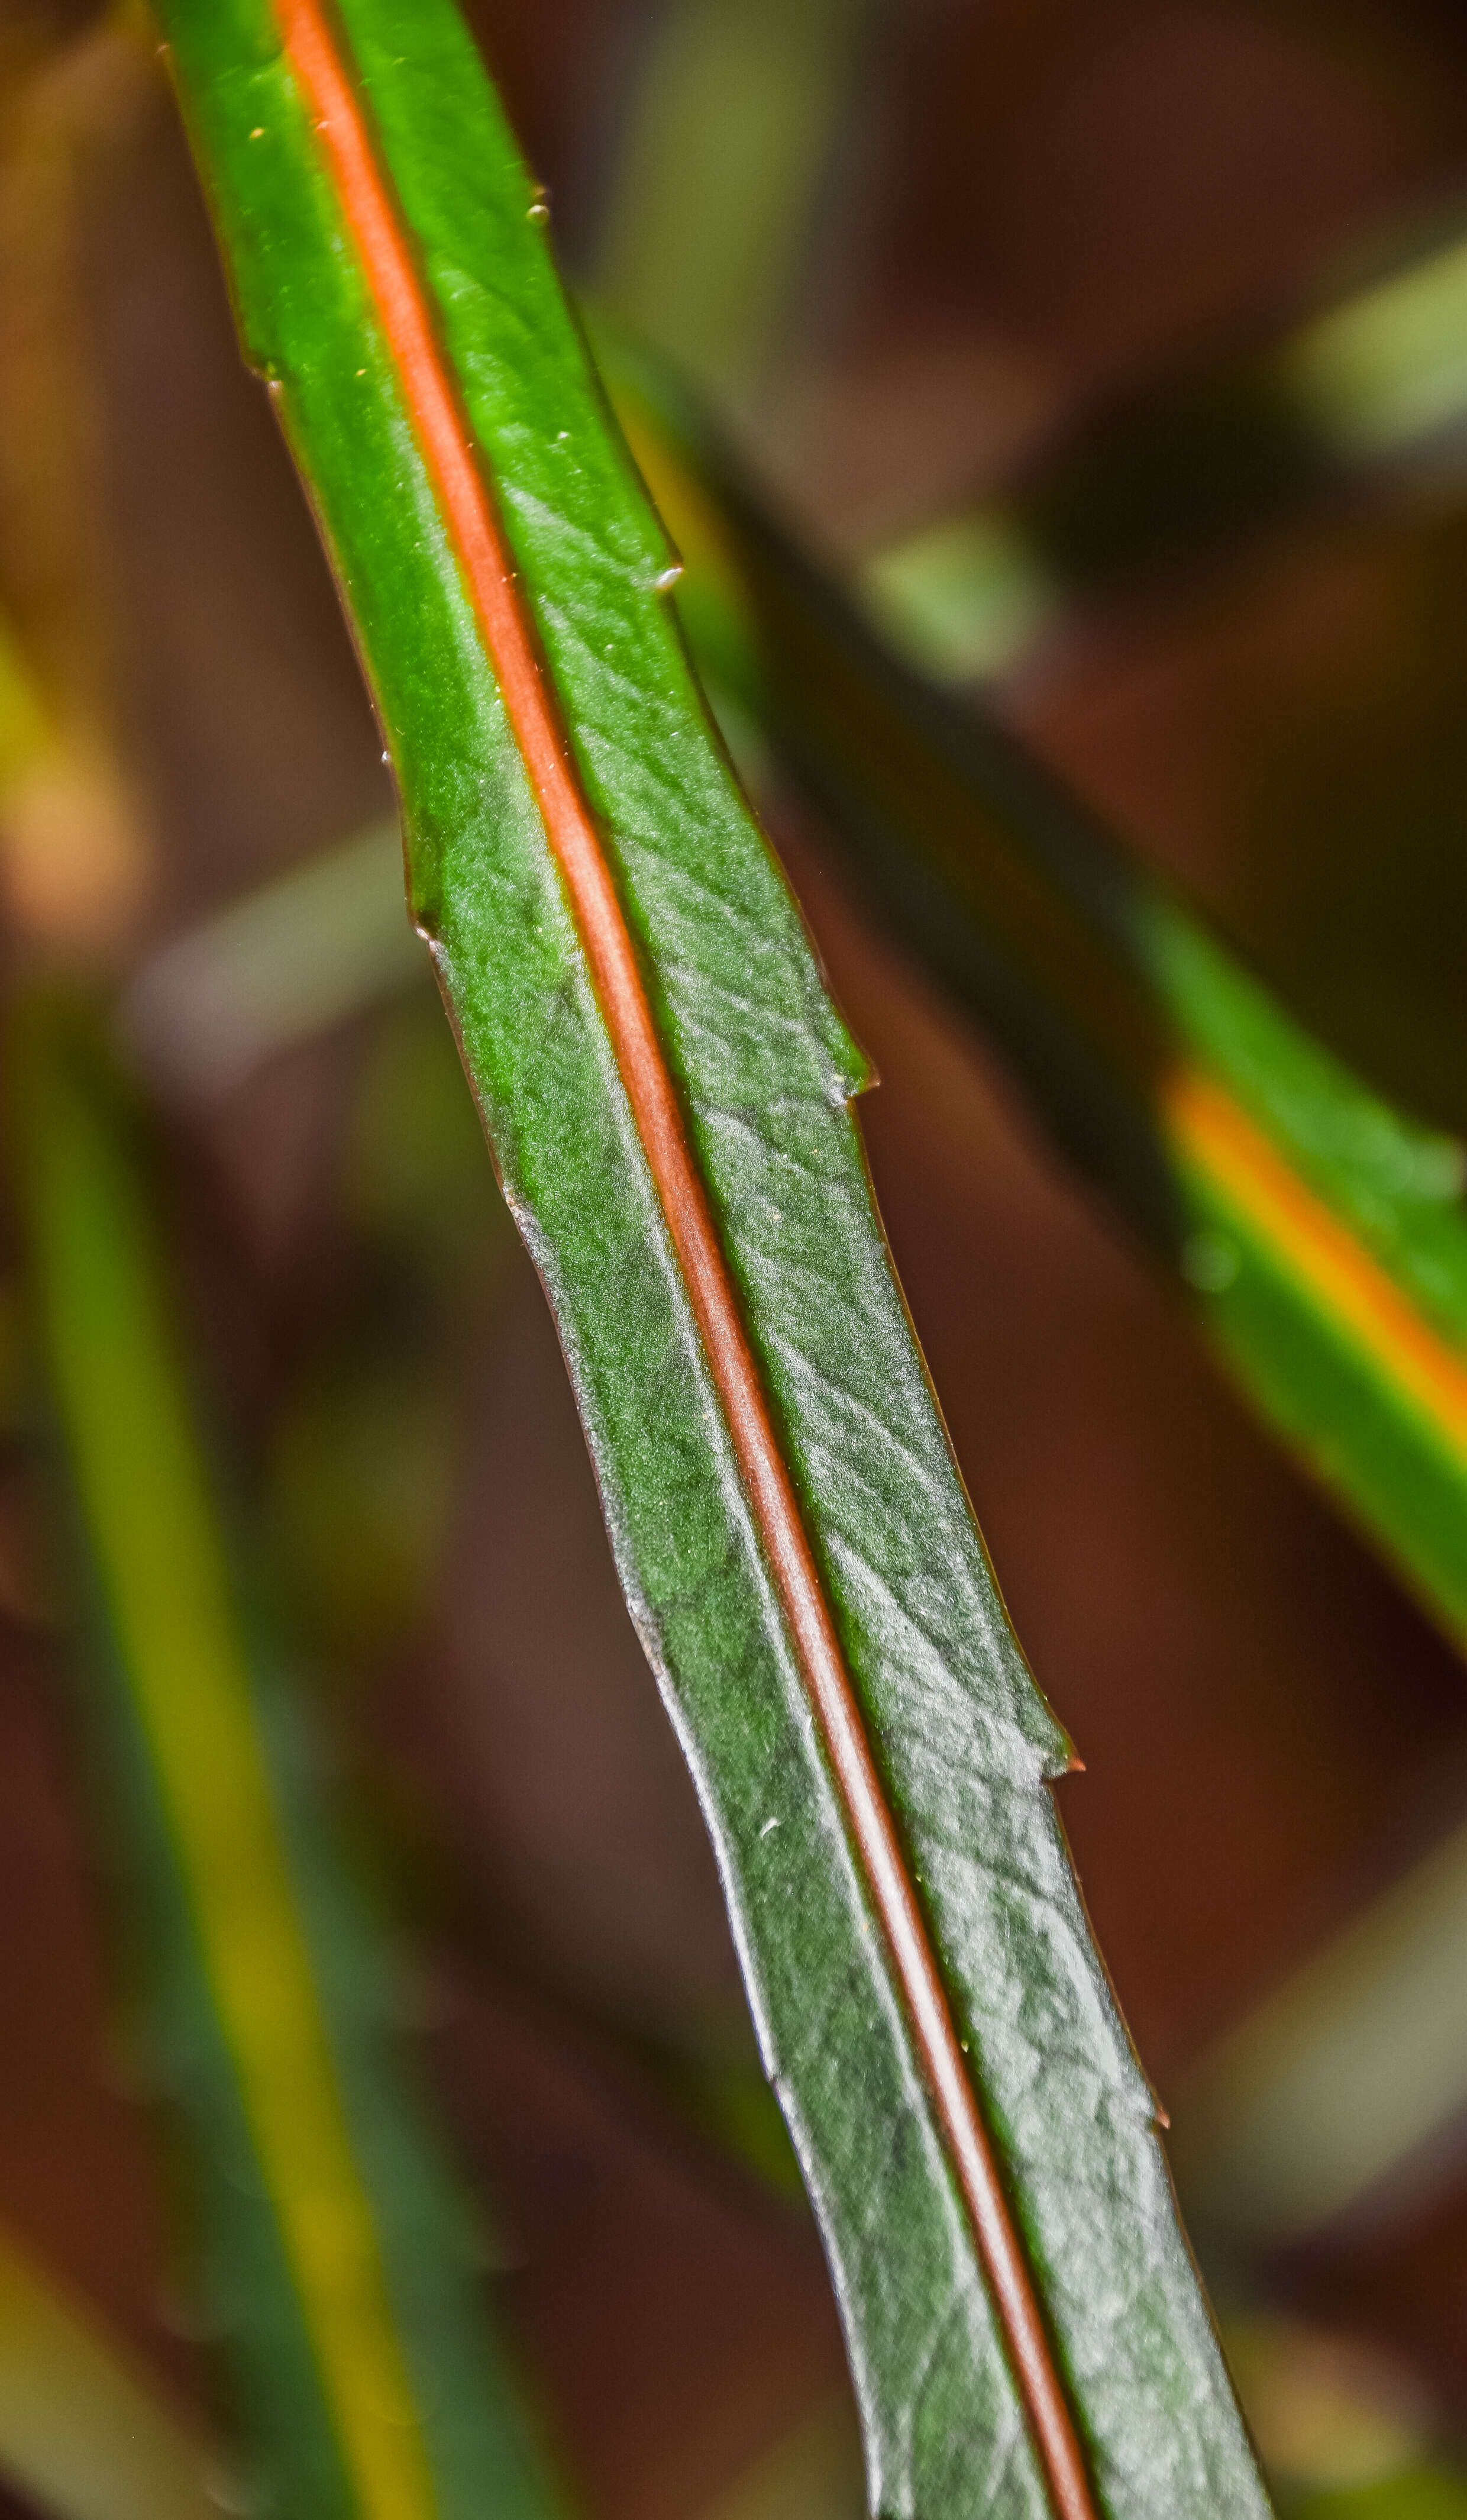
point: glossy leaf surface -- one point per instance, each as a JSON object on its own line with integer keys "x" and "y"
{"x": 666, "y": 1088}
{"x": 1319, "y": 1234}
{"x": 336, "y": 2261}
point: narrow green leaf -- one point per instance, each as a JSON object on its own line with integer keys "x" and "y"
{"x": 1345, "y": 2074}
{"x": 1317, "y": 1235}
{"x": 85, "y": 2432}
{"x": 1320, "y": 1236}
{"x": 215, "y": 1004}
{"x": 812, "y": 2472}
{"x": 336, "y": 2254}
{"x": 1367, "y": 391}
{"x": 1343, "y": 2426}
{"x": 666, "y": 1089}
{"x": 725, "y": 151}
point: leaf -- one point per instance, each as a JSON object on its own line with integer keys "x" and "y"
{"x": 74, "y": 862}
{"x": 811, "y": 2472}
{"x": 726, "y": 137}
{"x": 1345, "y": 2079}
{"x": 1365, "y": 392}
{"x": 213, "y": 1005}
{"x": 1320, "y": 1236}
{"x": 1317, "y": 1232}
{"x": 84, "y": 2431}
{"x": 666, "y": 1086}
{"x": 334, "y": 2243}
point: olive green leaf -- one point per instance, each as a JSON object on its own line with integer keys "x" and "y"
{"x": 338, "y": 2258}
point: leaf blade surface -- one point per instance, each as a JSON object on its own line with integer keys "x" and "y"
{"x": 758, "y": 1074}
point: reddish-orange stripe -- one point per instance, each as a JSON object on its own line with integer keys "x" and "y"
{"x": 1207, "y": 1125}
{"x": 473, "y": 528}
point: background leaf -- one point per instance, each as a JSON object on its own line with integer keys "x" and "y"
{"x": 82, "y": 2427}
{"x": 1319, "y": 1234}
{"x": 336, "y": 2255}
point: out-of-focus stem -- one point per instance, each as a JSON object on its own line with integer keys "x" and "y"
{"x": 335, "y": 2251}
{"x": 726, "y": 141}
{"x": 1365, "y": 398}
{"x": 85, "y": 2433}
{"x": 1346, "y": 2078}
{"x": 74, "y": 862}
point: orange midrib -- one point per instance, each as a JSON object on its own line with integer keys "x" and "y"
{"x": 1206, "y": 1126}
{"x": 474, "y": 530}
